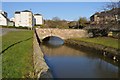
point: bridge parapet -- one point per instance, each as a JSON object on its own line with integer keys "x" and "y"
{"x": 62, "y": 33}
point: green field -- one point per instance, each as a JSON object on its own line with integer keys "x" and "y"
{"x": 17, "y": 54}
{"x": 105, "y": 41}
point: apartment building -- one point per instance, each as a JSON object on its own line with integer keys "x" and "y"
{"x": 38, "y": 19}
{"x": 17, "y": 19}
{"x": 24, "y": 18}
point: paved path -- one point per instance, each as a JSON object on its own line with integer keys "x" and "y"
{"x": 3, "y": 31}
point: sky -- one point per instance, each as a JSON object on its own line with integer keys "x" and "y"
{"x": 64, "y": 10}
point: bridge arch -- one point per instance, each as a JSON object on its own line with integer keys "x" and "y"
{"x": 46, "y": 37}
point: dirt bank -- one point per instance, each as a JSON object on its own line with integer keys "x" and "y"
{"x": 103, "y": 50}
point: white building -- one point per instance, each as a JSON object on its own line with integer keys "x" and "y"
{"x": 17, "y": 19}
{"x": 11, "y": 23}
{"x": 38, "y": 19}
{"x": 3, "y": 18}
{"x": 24, "y": 18}
{"x": 27, "y": 18}
{"x": 12, "y": 19}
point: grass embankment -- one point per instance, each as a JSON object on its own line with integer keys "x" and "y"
{"x": 17, "y": 54}
{"x": 105, "y": 41}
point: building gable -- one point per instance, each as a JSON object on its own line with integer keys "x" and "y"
{"x": 3, "y": 20}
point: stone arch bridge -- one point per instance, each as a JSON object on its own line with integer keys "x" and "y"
{"x": 61, "y": 33}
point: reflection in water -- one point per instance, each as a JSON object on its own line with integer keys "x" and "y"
{"x": 66, "y": 62}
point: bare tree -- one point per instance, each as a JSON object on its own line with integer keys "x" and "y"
{"x": 56, "y": 19}
{"x": 113, "y": 8}
{"x": 56, "y": 22}
{"x": 111, "y": 5}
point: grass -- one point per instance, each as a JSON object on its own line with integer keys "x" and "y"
{"x": 105, "y": 41}
{"x": 17, "y": 57}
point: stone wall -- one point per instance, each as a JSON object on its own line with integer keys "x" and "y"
{"x": 62, "y": 33}
{"x": 41, "y": 69}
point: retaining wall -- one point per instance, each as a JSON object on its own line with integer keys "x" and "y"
{"x": 41, "y": 69}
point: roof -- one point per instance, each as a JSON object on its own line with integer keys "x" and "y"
{"x": 37, "y": 14}
{"x": 17, "y": 12}
{"x": 5, "y": 17}
{"x": 26, "y": 11}
{"x": 111, "y": 12}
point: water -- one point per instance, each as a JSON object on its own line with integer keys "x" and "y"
{"x": 67, "y": 62}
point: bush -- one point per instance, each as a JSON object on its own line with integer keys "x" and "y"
{"x": 97, "y": 32}
{"x": 114, "y": 34}
{"x": 8, "y": 26}
{"x": 20, "y": 27}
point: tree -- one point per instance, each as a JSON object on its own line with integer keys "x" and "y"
{"x": 114, "y": 9}
{"x": 56, "y": 22}
{"x": 112, "y": 5}
{"x": 56, "y": 19}
{"x": 73, "y": 24}
{"x": 82, "y": 22}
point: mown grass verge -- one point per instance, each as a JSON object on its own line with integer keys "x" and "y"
{"x": 105, "y": 41}
{"x": 17, "y": 54}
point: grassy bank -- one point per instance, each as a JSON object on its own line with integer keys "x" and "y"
{"x": 17, "y": 54}
{"x": 105, "y": 41}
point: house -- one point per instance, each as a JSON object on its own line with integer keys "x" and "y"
{"x": 12, "y": 19}
{"x": 38, "y": 19}
{"x": 24, "y": 18}
{"x": 11, "y": 23}
{"x": 3, "y": 18}
{"x": 105, "y": 17}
